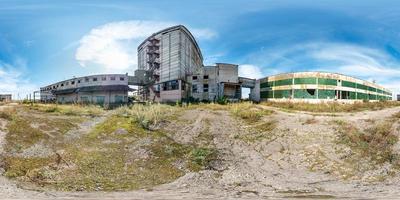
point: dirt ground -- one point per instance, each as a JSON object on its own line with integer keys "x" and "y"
{"x": 300, "y": 158}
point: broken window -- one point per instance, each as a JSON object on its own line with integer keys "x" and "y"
{"x": 121, "y": 78}
{"x": 194, "y": 78}
{"x": 205, "y": 88}
{"x": 94, "y": 79}
{"x": 311, "y": 92}
{"x": 194, "y": 88}
{"x": 205, "y": 77}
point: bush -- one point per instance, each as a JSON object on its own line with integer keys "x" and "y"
{"x": 147, "y": 115}
{"x": 203, "y": 157}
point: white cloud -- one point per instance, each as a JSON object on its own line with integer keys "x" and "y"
{"x": 250, "y": 71}
{"x": 13, "y": 81}
{"x": 113, "y": 46}
{"x": 204, "y": 33}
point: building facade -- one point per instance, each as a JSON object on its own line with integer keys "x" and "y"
{"x": 170, "y": 56}
{"x": 170, "y": 69}
{"x": 5, "y": 97}
{"x": 102, "y": 89}
{"x": 318, "y": 87}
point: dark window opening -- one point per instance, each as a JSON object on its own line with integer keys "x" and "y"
{"x": 205, "y": 77}
{"x": 62, "y": 84}
{"x": 79, "y": 81}
{"x": 103, "y": 78}
{"x": 194, "y": 88}
{"x": 311, "y": 91}
{"x": 171, "y": 85}
{"x": 205, "y": 88}
{"x": 121, "y": 78}
{"x": 345, "y": 95}
{"x": 86, "y": 79}
{"x": 72, "y": 82}
{"x": 94, "y": 79}
{"x": 194, "y": 77}
{"x": 112, "y": 78}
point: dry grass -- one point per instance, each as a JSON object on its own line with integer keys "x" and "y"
{"x": 116, "y": 155}
{"x": 70, "y": 109}
{"x": 148, "y": 115}
{"x": 333, "y": 107}
{"x": 373, "y": 142}
{"x": 7, "y": 113}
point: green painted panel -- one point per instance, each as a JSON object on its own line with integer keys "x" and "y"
{"x": 305, "y": 94}
{"x": 362, "y": 96}
{"x": 349, "y": 84}
{"x": 372, "y": 96}
{"x": 327, "y": 81}
{"x": 361, "y": 86}
{"x": 352, "y": 95}
{"x": 266, "y": 84}
{"x": 283, "y": 82}
{"x": 264, "y": 94}
{"x": 305, "y": 81}
{"x": 326, "y": 94}
{"x": 282, "y": 94}
{"x": 371, "y": 89}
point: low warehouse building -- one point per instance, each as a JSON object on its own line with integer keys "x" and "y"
{"x": 318, "y": 87}
{"x": 102, "y": 89}
{"x": 5, "y": 97}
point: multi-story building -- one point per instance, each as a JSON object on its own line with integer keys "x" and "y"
{"x": 318, "y": 87}
{"x": 170, "y": 56}
{"x": 102, "y": 89}
{"x": 170, "y": 69}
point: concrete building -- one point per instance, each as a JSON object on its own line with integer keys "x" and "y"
{"x": 102, "y": 89}
{"x": 5, "y": 97}
{"x": 398, "y": 97}
{"x": 172, "y": 60}
{"x": 170, "y": 69}
{"x": 317, "y": 87}
{"x": 170, "y": 57}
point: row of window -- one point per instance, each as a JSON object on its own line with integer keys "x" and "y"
{"x": 321, "y": 81}
{"x": 195, "y": 90}
{"x": 86, "y": 79}
{"x": 98, "y": 99}
{"x": 205, "y": 77}
{"x": 320, "y": 94}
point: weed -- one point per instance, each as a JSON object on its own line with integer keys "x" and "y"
{"x": 334, "y": 106}
{"x": 201, "y": 158}
{"x": 7, "y": 113}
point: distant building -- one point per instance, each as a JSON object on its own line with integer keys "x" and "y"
{"x": 398, "y": 97}
{"x": 5, "y": 97}
{"x": 102, "y": 89}
{"x": 318, "y": 87}
{"x": 170, "y": 69}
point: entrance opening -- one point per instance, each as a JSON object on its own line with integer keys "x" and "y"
{"x": 245, "y": 93}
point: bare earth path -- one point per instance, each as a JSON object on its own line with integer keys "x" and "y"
{"x": 297, "y": 160}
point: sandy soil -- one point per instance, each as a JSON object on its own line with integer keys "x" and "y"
{"x": 297, "y": 160}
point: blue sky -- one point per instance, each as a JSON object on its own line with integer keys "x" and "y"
{"x": 46, "y": 41}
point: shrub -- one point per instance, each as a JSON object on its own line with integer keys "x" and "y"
{"x": 202, "y": 157}
{"x": 147, "y": 115}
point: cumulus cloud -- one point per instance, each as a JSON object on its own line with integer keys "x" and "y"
{"x": 113, "y": 46}
{"x": 250, "y": 71}
{"x": 13, "y": 80}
